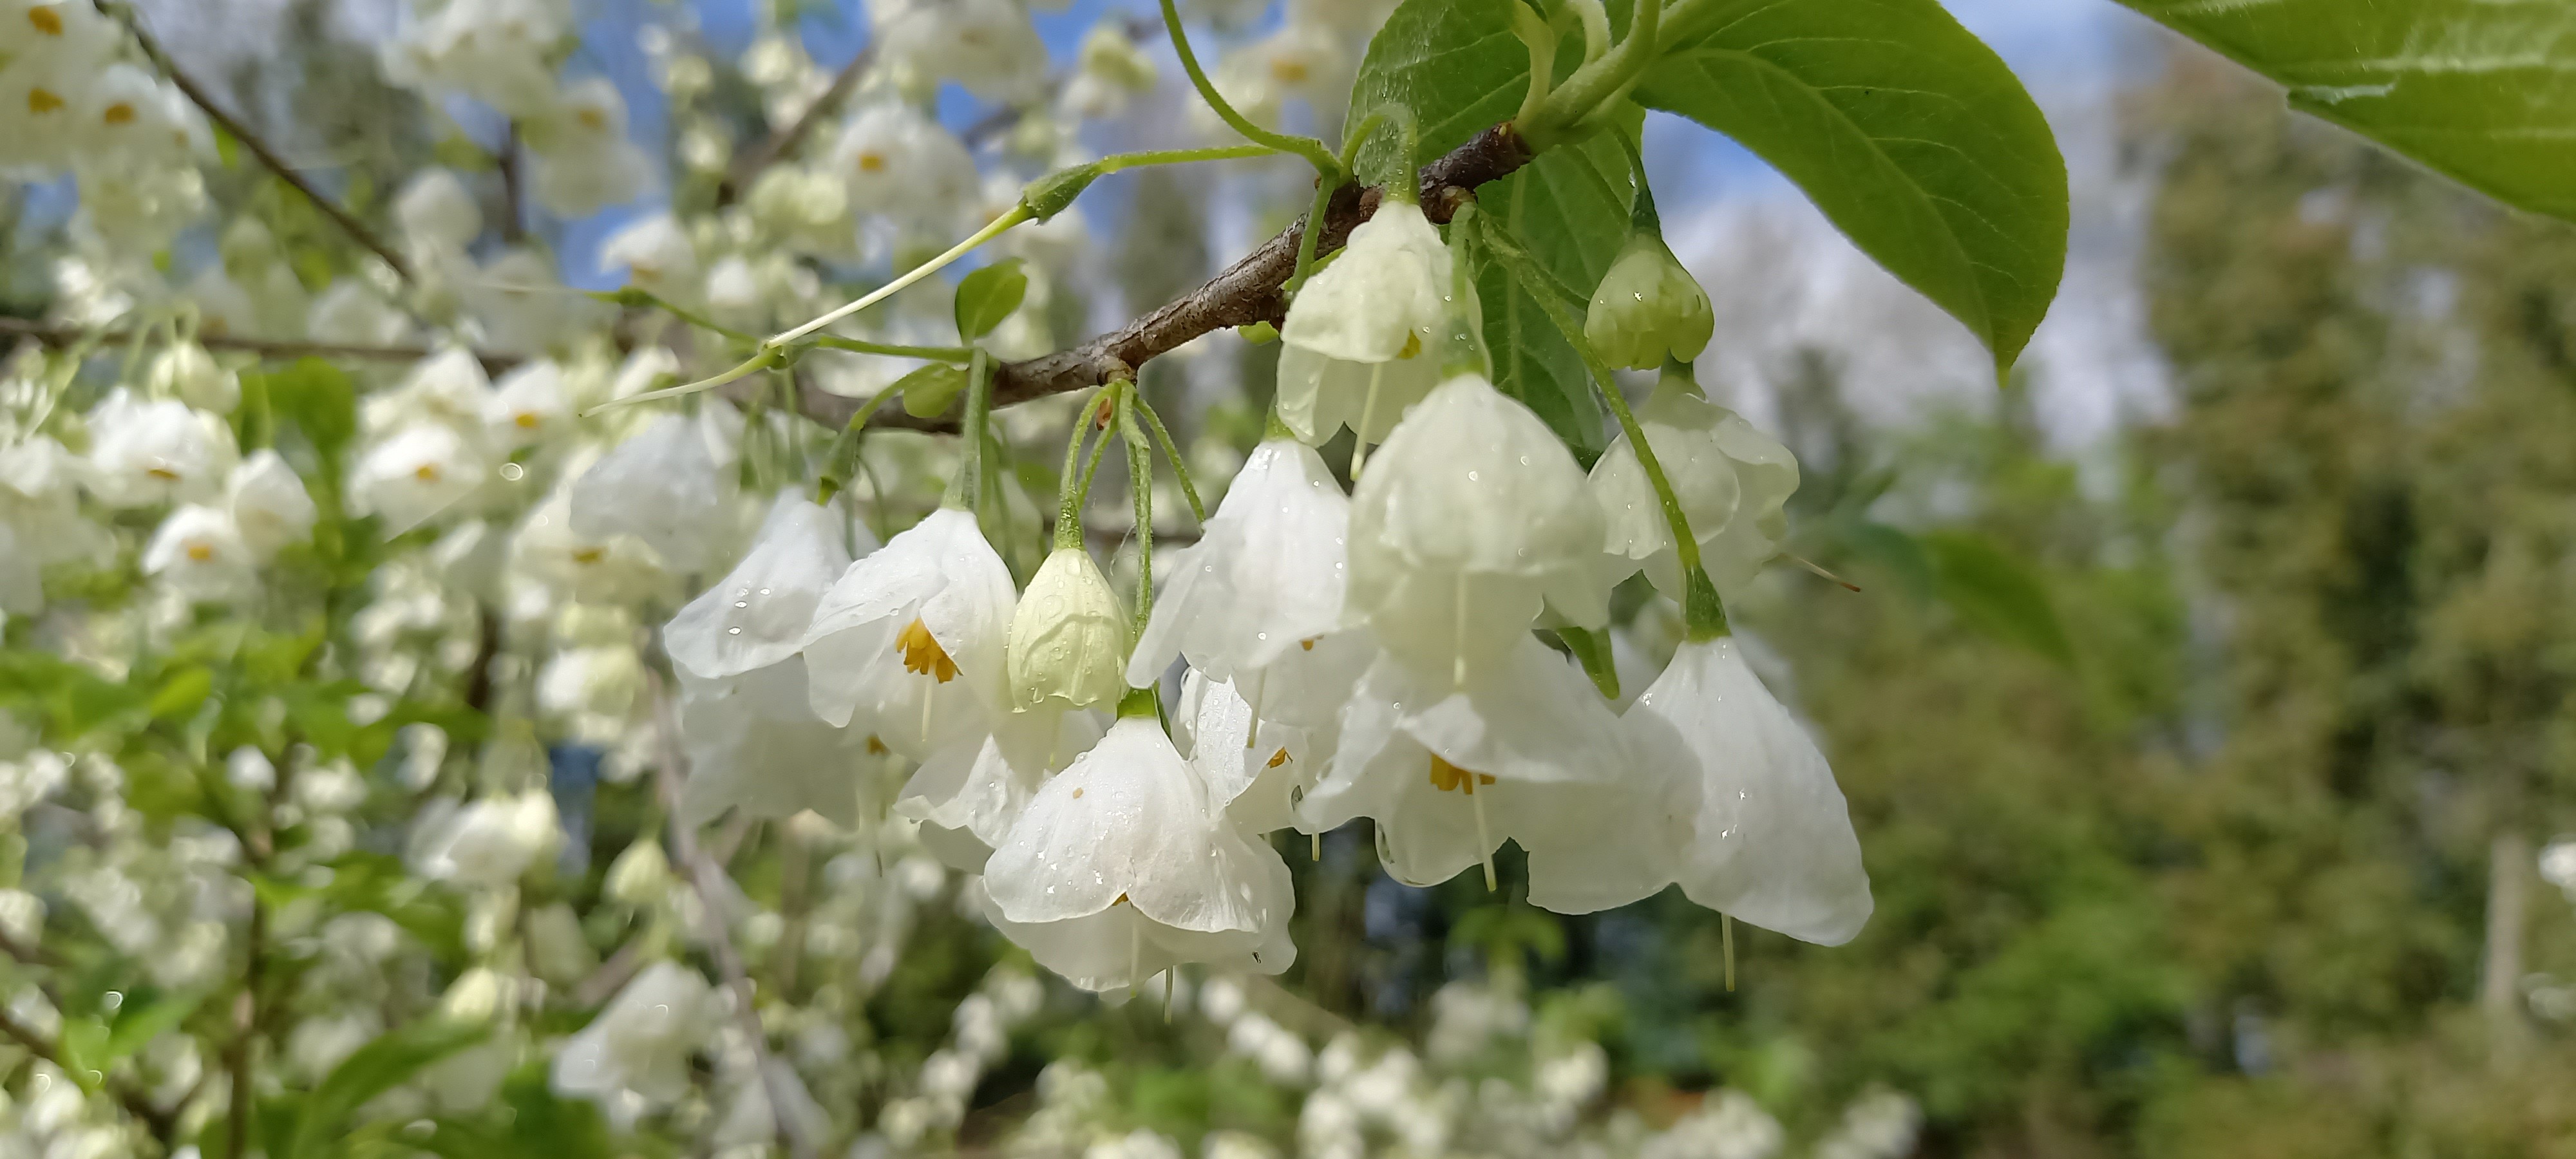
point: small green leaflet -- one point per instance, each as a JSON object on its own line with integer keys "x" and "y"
{"x": 928, "y": 391}
{"x": 988, "y": 296}
{"x": 379, "y": 1066}
{"x": 2481, "y": 90}
{"x": 1907, "y": 131}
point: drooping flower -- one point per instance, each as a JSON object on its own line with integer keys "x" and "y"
{"x": 144, "y": 453}
{"x": 1123, "y": 866}
{"x": 908, "y": 643}
{"x": 186, "y": 372}
{"x": 757, "y": 615}
{"x": 1265, "y": 578}
{"x": 494, "y": 840}
{"x": 894, "y": 162}
{"x": 1526, "y": 751}
{"x": 1258, "y": 768}
{"x": 658, "y": 257}
{"x": 1471, "y": 517}
{"x": 988, "y": 46}
{"x": 527, "y": 405}
{"x": 269, "y": 503}
{"x": 670, "y": 486}
{"x": 1068, "y": 642}
{"x": 1360, "y": 345}
{"x": 419, "y": 472}
{"x": 199, "y": 552}
{"x": 1732, "y": 480}
{"x": 967, "y": 794}
{"x": 1648, "y": 308}
{"x": 436, "y": 212}
{"x": 1771, "y": 838}
{"x": 640, "y": 1044}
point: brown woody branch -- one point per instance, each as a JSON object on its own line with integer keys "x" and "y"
{"x": 62, "y": 336}
{"x": 268, "y": 158}
{"x": 1247, "y": 292}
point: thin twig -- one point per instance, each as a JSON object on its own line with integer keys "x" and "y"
{"x": 719, "y": 931}
{"x": 493, "y": 362}
{"x": 757, "y": 160}
{"x": 268, "y": 157}
{"x": 514, "y": 220}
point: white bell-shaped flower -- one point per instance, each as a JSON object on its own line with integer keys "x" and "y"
{"x": 908, "y": 643}
{"x": 1068, "y": 643}
{"x": 968, "y": 794}
{"x": 1528, "y": 752}
{"x": 1266, "y": 575}
{"x": 640, "y": 1044}
{"x": 448, "y": 388}
{"x": 199, "y": 552}
{"x": 658, "y": 256}
{"x": 437, "y": 212}
{"x": 988, "y": 46}
{"x": 491, "y": 842}
{"x": 1360, "y": 346}
{"x": 1771, "y": 838}
{"x": 672, "y": 486}
{"x": 411, "y": 477}
{"x": 1258, "y": 773}
{"x": 1471, "y": 517}
{"x": 894, "y": 162}
{"x": 757, "y": 615}
{"x": 269, "y": 503}
{"x": 608, "y": 570}
{"x": 529, "y": 404}
{"x": 754, "y": 746}
{"x": 1682, "y": 428}
{"x": 186, "y": 372}
{"x": 145, "y": 453}
{"x": 1766, "y": 475}
{"x": 1122, "y": 867}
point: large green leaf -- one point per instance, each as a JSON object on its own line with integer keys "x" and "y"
{"x": 1455, "y": 63}
{"x": 2482, "y": 90}
{"x": 1908, "y": 132}
{"x": 1570, "y": 208}
{"x": 379, "y": 1066}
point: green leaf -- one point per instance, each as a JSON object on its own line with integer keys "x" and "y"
{"x": 143, "y": 1017}
{"x": 1455, "y": 63}
{"x": 1570, "y": 208}
{"x": 1896, "y": 553}
{"x": 1907, "y": 131}
{"x": 2483, "y": 91}
{"x": 928, "y": 391}
{"x": 83, "y": 1046}
{"x": 318, "y": 398}
{"x": 180, "y": 695}
{"x": 1994, "y": 591}
{"x": 392, "y": 1059}
{"x": 986, "y": 297}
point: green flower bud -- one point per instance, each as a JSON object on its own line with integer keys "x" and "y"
{"x": 1648, "y": 308}
{"x": 1068, "y": 644}
{"x": 641, "y": 875}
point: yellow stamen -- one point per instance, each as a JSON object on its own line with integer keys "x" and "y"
{"x": 426, "y": 472}
{"x": 872, "y": 162}
{"x": 1281, "y": 757}
{"x": 922, "y": 654}
{"x": 592, "y": 119}
{"x": 589, "y": 554}
{"x": 1412, "y": 346}
{"x": 1446, "y": 777}
{"x": 164, "y": 474}
{"x": 1288, "y": 71}
{"x": 529, "y": 420}
{"x": 120, "y": 113}
{"x": 877, "y": 747}
{"x": 47, "y": 18}
{"x": 1308, "y": 643}
{"x": 42, "y": 100}
{"x": 200, "y": 552}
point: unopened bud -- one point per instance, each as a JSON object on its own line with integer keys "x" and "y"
{"x": 1068, "y": 645}
{"x": 1648, "y": 308}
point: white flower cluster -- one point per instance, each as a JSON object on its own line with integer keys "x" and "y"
{"x": 70, "y": 100}
{"x": 504, "y": 53}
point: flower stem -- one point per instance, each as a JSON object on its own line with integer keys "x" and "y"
{"x": 1069, "y": 489}
{"x": 993, "y": 229}
{"x": 1117, "y": 161}
{"x": 1598, "y": 83}
{"x": 1140, "y": 486}
{"x": 846, "y": 448}
{"x": 1172, "y": 455}
{"x": 1307, "y": 147}
{"x": 1309, "y": 232}
{"x": 766, "y": 358}
{"x": 966, "y": 490}
{"x": 894, "y": 350}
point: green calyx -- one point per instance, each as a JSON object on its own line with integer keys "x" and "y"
{"x": 1703, "y": 613}
{"x": 1143, "y": 702}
